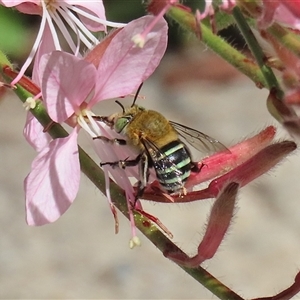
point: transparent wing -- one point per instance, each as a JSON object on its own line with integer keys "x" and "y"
{"x": 199, "y": 140}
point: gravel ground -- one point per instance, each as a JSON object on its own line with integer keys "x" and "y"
{"x": 79, "y": 256}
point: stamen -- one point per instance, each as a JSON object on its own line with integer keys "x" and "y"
{"x": 55, "y": 16}
{"x": 93, "y": 123}
{"x": 82, "y": 122}
{"x": 51, "y": 5}
{"x": 96, "y": 19}
{"x": 135, "y": 241}
{"x": 30, "y": 103}
{"x": 122, "y": 180}
{"x": 107, "y": 192}
{"x": 75, "y": 29}
{"x": 119, "y": 176}
{"x": 52, "y": 28}
{"x": 70, "y": 16}
{"x": 140, "y": 39}
{"x": 32, "y": 52}
{"x": 129, "y": 197}
{"x": 38, "y": 96}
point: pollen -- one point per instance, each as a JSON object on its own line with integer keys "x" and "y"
{"x": 139, "y": 40}
{"x": 135, "y": 241}
{"x": 51, "y": 5}
{"x": 85, "y": 119}
{"x": 30, "y": 103}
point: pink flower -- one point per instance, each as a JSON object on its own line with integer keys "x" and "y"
{"x": 161, "y": 7}
{"x": 228, "y": 171}
{"x": 70, "y": 88}
{"x": 282, "y": 11}
{"x": 91, "y": 18}
{"x": 223, "y": 167}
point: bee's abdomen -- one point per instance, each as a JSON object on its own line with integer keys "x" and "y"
{"x": 174, "y": 168}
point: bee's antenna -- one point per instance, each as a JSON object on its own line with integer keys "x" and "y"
{"x": 122, "y": 106}
{"x": 137, "y": 93}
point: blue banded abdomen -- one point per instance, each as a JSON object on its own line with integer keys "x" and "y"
{"x": 174, "y": 167}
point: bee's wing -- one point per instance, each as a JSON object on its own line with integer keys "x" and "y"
{"x": 199, "y": 140}
{"x": 160, "y": 160}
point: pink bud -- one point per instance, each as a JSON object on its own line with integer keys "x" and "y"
{"x": 218, "y": 224}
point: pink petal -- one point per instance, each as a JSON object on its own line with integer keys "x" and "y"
{"x": 220, "y": 163}
{"x": 215, "y": 165}
{"x": 46, "y": 46}
{"x": 66, "y": 82}
{"x": 218, "y": 224}
{"x": 95, "y": 55}
{"x": 268, "y": 12}
{"x": 256, "y": 166}
{"x": 26, "y": 7}
{"x": 34, "y": 135}
{"x": 293, "y": 6}
{"x": 53, "y": 182}
{"x": 283, "y": 11}
{"x": 11, "y": 3}
{"x": 288, "y": 13}
{"x": 95, "y": 8}
{"x": 219, "y": 221}
{"x": 124, "y": 65}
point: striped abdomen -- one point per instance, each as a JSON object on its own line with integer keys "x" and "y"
{"x": 174, "y": 167}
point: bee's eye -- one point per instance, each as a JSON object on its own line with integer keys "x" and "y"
{"x": 121, "y": 123}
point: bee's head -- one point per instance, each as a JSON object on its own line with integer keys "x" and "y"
{"x": 122, "y": 119}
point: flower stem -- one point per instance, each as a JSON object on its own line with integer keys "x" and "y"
{"x": 40, "y": 113}
{"x": 161, "y": 241}
{"x": 256, "y": 50}
{"x": 93, "y": 171}
{"x": 219, "y": 46}
{"x": 286, "y": 37}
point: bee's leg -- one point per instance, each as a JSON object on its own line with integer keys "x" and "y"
{"x": 196, "y": 168}
{"x": 144, "y": 176}
{"x": 111, "y": 141}
{"x": 182, "y": 192}
{"x": 123, "y": 163}
{"x": 105, "y": 120}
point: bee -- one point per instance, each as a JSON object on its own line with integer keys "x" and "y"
{"x": 160, "y": 145}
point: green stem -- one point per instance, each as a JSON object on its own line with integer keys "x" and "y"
{"x": 40, "y": 113}
{"x": 278, "y": 109}
{"x": 96, "y": 175}
{"x": 287, "y": 38}
{"x": 164, "y": 244}
{"x": 219, "y": 46}
{"x": 256, "y": 50}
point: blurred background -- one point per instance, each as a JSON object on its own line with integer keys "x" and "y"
{"x": 79, "y": 256}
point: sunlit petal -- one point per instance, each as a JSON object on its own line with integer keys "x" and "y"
{"x": 66, "y": 82}
{"x": 124, "y": 65}
{"x": 33, "y": 132}
{"x": 53, "y": 182}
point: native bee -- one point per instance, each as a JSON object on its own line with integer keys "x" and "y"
{"x": 159, "y": 145}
